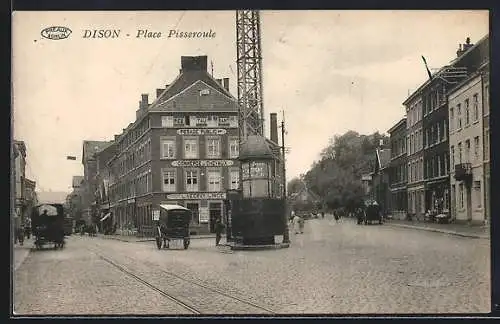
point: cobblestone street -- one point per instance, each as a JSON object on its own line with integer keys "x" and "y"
{"x": 331, "y": 268}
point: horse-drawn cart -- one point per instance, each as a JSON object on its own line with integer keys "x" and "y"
{"x": 47, "y": 221}
{"x": 172, "y": 224}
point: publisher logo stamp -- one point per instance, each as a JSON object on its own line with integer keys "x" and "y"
{"x": 56, "y": 32}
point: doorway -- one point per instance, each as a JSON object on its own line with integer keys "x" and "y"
{"x": 194, "y": 208}
{"x": 469, "y": 204}
{"x": 215, "y": 211}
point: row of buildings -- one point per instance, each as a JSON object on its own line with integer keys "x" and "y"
{"x": 182, "y": 148}
{"x": 23, "y": 194}
{"x": 439, "y": 154}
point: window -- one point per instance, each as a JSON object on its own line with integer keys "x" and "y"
{"x": 438, "y": 166}
{"x": 475, "y": 107}
{"x": 486, "y": 146}
{"x": 467, "y": 112}
{"x": 213, "y": 147}
{"x": 445, "y": 130}
{"x": 234, "y": 147}
{"x": 234, "y": 176}
{"x": 167, "y": 148}
{"x": 459, "y": 153}
{"x": 233, "y": 121}
{"x": 459, "y": 116}
{"x": 476, "y": 148}
{"x": 452, "y": 156}
{"x": 438, "y": 135}
{"x": 167, "y": 121}
{"x": 169, "y": 180}
{"x": 461, "y": 193}
{"x": 467, "y": 151}
{"x": 214, "y": 180}
{"x": 486, "y": 100}
{"x": 191, "y": 180}
{"x": 190, "y": 148}
{"x": 451, "y": 119}
{"x": 477, "y": 190}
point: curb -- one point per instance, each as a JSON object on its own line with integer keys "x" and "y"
{"x": 236, "y": 247}
{"x": 436, "y": 230}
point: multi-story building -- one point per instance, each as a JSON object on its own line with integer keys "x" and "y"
{"x": 415, "y": 155}
{"x": 19, "y": 172}
{"x": 398, "y": 175}
{"x": 30, "y": 197}
{"x": 102, "y": 178}
{"x": 380, "y": 178}
{"x": 182, "y": 149}
{"x": 469, "y": 141}
{"x": 485, "y": 78}
{"x": 89, "y": 185}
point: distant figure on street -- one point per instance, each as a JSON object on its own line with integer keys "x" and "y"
{"x": 301, "y": 225}
{"x": 322, "y": 214}
{"x": 27, "y": 228}
{"x": 336, "y": 215}
{"x": 296, "y": 221}
{"x": 219, "y": 227}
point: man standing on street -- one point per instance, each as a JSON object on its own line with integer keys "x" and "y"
{"x": 219, "y": 227}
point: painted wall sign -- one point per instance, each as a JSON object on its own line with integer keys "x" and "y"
{"x": 202, "y": 163}
{"x": 197, "y": 195}
{"x": 201, "y": 131}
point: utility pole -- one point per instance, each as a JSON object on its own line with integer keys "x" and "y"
{"x": 286, "y": 236}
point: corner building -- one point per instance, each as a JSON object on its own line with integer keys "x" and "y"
{"x": 182, "y": 149}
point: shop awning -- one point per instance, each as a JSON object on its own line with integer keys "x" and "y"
{"x": 171, "y": 207}
{"x": 105, "y": 217}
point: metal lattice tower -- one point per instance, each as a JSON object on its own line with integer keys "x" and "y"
{"x": 249, "y": 60}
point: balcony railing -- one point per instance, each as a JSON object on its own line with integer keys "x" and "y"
{"x": 463, "y": 171}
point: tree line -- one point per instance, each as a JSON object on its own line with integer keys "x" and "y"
{"x": 336, "y": 176}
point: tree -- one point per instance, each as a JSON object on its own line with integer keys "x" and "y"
{"x": 336, "y": 175}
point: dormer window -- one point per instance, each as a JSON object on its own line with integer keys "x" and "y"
{"x": 204, "y": 92}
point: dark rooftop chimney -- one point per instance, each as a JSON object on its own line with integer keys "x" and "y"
{"x": 158, "y": 92}
{"x": 144, "y": 101}
{"x": 194, "y": 63}
{"x": 462, "y": 48}
{"x": 274, "y": 128}
{"x": 219, "y": 81}
{"x": 225, "y": 82}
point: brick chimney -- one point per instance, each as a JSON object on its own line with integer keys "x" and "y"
{"x": 462, "y": 48}
{"x": 225, "y": 83}
{"x": 193, "y": 63}
{"x": 274, "y": 127}
{"x": 158, "y": 92}
{"x": 219, "y": 81}
{"x": 143, "y": 104}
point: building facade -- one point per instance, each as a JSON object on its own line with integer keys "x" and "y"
{"x": 182, "y": 149}
{"x": 415, "y": 155}
{"x": 469, "y": 136}
{"x": 19, "y": 170}
{"x": 466, "y": 151}
{"x": 89, "y": 184}
{"x": 380, "y": 179}
{"x": 102, "y": 180}
{"x": 398, "y": 175}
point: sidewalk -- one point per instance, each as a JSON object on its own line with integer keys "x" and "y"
{"x": 482, "y": 232}
{"x": 21, "y": 253}
{"x": 126, "y": 238}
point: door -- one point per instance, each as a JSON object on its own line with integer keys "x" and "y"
{"x": 469, "y": 203}
{"x": 194, "y": 208}
{"x": 215, "y": 210}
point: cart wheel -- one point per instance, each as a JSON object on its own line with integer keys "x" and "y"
{"x": 158, "y": 243}
{"x": 186, "y": 244}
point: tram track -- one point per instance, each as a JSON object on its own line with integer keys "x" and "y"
{"x": 184, "y": 290}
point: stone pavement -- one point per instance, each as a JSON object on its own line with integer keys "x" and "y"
{"x": 130, "y": 238}
{"x": 482, "y": 232}
{"x": 21, "y": 253}
{"x": 333, "y": 268}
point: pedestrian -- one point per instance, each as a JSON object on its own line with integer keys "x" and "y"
{"x": 295, "y": 221}
{"x": 27, "y": 227}
{"x": 336, "y": 215}
{"x": 219, "y": 227}
{"x": 301, "y": 225}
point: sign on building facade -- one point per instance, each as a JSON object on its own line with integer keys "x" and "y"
{"x": 201, "y": 131}
{"x": 197, "y": 195}
{"x": 202, "y": 163}
{"x": 204, "y": 215}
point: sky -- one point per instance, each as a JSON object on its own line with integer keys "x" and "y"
{"x": 329, "y": 71}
